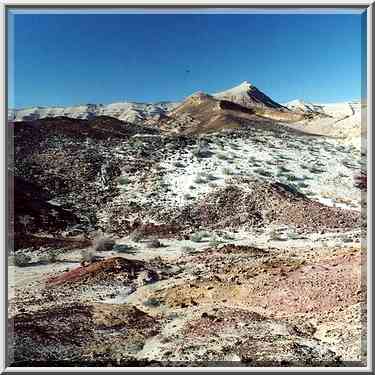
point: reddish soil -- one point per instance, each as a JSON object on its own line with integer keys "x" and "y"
{"x": 100, "y": 270}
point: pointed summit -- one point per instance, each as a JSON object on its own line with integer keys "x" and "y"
{"x": 246, "y": 83}
{"x": 247, "y": 95}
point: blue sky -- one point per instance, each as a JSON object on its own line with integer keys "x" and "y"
{"x": 67, "y": 59}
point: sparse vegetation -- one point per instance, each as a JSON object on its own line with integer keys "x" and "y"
{"x": 197, "y": 237}
{"x": 263, "y": 172}
{"x": 215, "y": 242}
{"x": 103, "y": 244}
{"x": 201, "y": 151}
{"x": 122, "y": 248}
{"x": 222, "y": 156}
{"x": 316, "y": 170}
{"x": 123, "y": 180}
{"x": 151, "y": 302}
{"x": 282, "y": 169}
{"x": 302, "y": 185}
{"x": 227, "y": 171}
{"x": 136, "y": 236}
{"x": 52, "y": 256}
{"x": 187, "y": 249}
{"x": 199, "y": 180}
{"x": 291, "y": 177}
{"x": 20, "y": 260}
{"x": 211, "y": 177}
{"x": 228, "y": 237}
{"x": 178, "y": 164}
{"x": 87, "y": 256}
{"x": 154, "y": 243}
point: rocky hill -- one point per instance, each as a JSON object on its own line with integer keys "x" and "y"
{"x": 210, "y": 235}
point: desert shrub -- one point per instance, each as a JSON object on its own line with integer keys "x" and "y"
{"x": 122, "y": 248}
{"x": 316, "y": 170}
{"x": 87, "y": 255}
{"x": 275, "y": 235}
{"x": 52, "y": 256}
{"x": 228, "y": 236}
{"x": 211, "y": 177}
{"x": 222, "y": 156}
{"x": 103, "y": 244}
{"x": 196, "y": 237}
{"x": 123, "y": 180}
{"x": 201, "y": 151}
{"x": 187, "y": 249}
{"x": 178, "y": 164}
{"x": 284, "y": 157}
{"x": 227, "y": 171}
{"x": 188, "y": 196}
{"x": 21, "y": 260}
{"x": 263, "y": 172}
{"x": 302, "y": 185}
{"x": 284, "y": 170}
{"x": 270, "y": 162}
{"x": 214, "y": 242}
{"x": 151, "y": 302}
{"x": 310, "y": 193}
{"x": 291, "y": 177}
{"x": 136, "y": 236}
{"x": 212, "y": 185}
{"x": 154, "y": 243}
{"x": 199, "y": 180}
{"x": 192, "y": 187}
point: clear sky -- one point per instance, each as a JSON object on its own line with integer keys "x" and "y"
{"x": 68, "y": 59}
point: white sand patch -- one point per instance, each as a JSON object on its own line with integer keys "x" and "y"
{"x": 322, "y": 169}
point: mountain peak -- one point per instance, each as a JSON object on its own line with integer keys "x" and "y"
{"x": 246, "y": 83}
{"x": 247, "y": 95}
